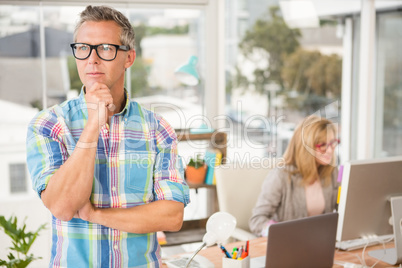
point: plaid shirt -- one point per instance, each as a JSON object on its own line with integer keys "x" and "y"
{"x": 136, "y": 163}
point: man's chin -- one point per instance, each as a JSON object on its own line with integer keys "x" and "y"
{"x": 90, "y": 82}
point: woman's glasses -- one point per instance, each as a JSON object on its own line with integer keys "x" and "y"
{"x": 324, "y": 146}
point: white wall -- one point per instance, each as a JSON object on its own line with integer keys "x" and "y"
{"x": 26, "y": 205}
{"x": 14, "y": 121}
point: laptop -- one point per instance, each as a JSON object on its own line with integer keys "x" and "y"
{"x": 307, "y": 242}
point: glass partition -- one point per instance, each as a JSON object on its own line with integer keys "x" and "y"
{"x": 389, "y": 85}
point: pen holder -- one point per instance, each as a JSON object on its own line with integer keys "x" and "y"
{"x": 233, "y": 263}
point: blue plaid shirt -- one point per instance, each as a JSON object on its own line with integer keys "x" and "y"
{"x": 136, "y": 163}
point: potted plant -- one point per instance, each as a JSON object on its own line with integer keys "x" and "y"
{"x": 196, "y": 170}
{"x": 22, "y": 242}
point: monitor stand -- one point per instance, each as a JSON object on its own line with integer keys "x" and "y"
{"x": 393, "y": 256}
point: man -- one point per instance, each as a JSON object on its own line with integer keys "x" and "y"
{"x": 106, "y": 168}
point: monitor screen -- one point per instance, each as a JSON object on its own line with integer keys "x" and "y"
{"x": 364, "y": 206}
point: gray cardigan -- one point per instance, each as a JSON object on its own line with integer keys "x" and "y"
{"x": 282, "y": 199}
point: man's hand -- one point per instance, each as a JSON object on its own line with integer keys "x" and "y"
{"x": 85, "y": 213}
{"x": 99, "y": 100}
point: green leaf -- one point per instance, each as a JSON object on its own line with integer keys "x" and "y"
{"x": 34, "y": 236}
{"x": 197, "y": 162}
{"x": 17, "y": 263}
{"x": 10, "y": 256}
{"x": 10, "y": 228}
{"x": 21, "y": 240}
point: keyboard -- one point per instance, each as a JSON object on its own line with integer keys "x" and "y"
{"x": 362, "y": 242}
{"x": 198, "y": 262}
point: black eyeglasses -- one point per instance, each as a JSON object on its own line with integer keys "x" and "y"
{"x": 108, "y": 52}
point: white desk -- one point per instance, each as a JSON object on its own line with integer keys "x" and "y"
{"x": 258, "y": 248}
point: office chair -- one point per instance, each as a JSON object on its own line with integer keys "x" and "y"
{"x": 238, "y": 186}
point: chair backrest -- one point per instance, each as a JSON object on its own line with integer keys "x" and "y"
{"x": 238, "y": 187}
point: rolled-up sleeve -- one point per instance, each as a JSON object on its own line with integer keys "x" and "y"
{"x": 44, "y": 152}
{"x": 169, "y": 182}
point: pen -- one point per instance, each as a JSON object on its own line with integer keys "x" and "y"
{"x": 247, "y": 247}
{"x": 225, "y": 251}
{"x": 240, "y": 252}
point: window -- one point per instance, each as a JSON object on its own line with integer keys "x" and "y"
{"x": 389, "y": 86}
{"x": 278, "y": 72}
{"x": 18, "y": 180}
{"x": 385, "y": 124}
{"x": 20, "y": 54}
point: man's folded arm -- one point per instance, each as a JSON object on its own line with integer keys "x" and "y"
{"x": 161, "y": 215}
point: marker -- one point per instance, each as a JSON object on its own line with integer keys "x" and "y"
{"x": 243, "y": 255}
{"x": 247, "y": 247}
{"x": 235, "y": 255}
{"x": 225, "y": 251}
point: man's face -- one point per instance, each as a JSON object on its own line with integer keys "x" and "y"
{"x": 94, "y": 69}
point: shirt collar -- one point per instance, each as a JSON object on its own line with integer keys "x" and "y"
{"x": 126, "y": 110}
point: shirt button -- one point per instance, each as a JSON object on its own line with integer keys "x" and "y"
{"x": 114, "y": 189}
{"x": 116, "y": 247}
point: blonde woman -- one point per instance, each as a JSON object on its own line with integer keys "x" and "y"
{"x": 307, "y": 184}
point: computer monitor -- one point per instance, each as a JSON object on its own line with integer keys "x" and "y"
{"x": 364, "y": 205}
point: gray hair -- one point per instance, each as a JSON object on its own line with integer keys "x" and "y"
{"x": 104, "y": 13}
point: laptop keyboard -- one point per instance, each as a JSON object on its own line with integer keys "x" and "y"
{"x": 199, "y": 261}
{"x": 182, "y": 262}
{"x": 362, "y": 242}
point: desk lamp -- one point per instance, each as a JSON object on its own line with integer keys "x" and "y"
{"x": 219, "y": 228}
{"x": 187, "y": 73}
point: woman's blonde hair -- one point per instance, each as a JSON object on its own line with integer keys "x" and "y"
{"x": 301, "y": 151}
{"x": 104, "y": 13}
